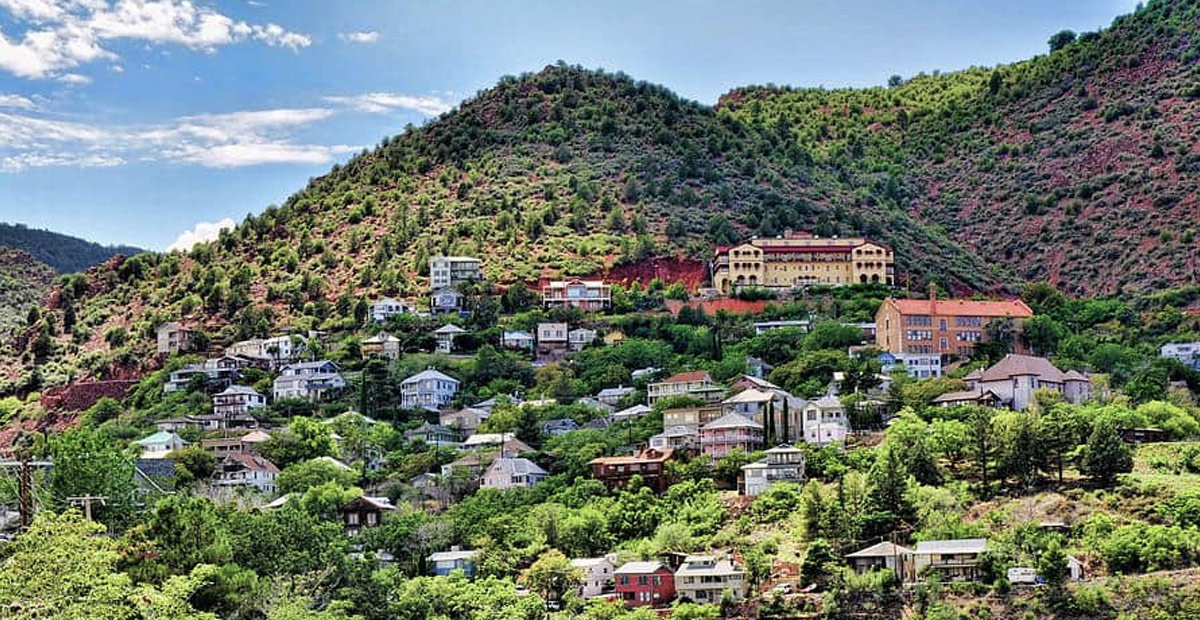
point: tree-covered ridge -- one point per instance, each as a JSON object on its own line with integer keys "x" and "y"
{"x": 23, "y": 281}
{"x": 1051, "y": 166}
{"x": 64, "y": 253}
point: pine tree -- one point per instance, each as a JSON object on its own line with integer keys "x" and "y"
{"x": 1105, "y": 454}
{"x": 786, "y": 432}
{"x": 769, "y": 435}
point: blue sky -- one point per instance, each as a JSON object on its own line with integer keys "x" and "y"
{"x": 131, "y": 121}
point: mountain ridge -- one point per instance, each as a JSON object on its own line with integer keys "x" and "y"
{"x": 64, "y": 253}
{"x": 972, "y": 177}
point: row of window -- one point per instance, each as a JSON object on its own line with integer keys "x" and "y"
{"x": 968, "y": 336}
{"x": 920, "y": 334}
{"x": 642, "y": 580}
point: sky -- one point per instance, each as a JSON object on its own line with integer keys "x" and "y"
{"x": 154, "y": 122}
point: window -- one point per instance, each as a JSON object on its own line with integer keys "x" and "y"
{"x": 352, "y": 518}
{"x": 643, "y": 580}
{"x": 372, "y": 518}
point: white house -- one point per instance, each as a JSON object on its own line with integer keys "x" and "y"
{"x": 825, "y": 421}
{"x": 580, "y": 337}
{"x": 173, "y": 337}
{"x": 957, "y": 560}
{"x": 783, "y": 463}
{"x": 705, "y": 579}
{"x": 1186, "y": 352}
{"x": 447, "y": 271}
{"x": 631, "y": 413}
{"x": 676, "y": 438}
{"x": 597, "y": 575}
{"x": 241, "y": 469}
{"x": 429, "y": 389}
{"x": 612, "y": 396}
{"x": 236, "y": 401}
{"x": 309, "y": 380}
{"x": 160, "y": 444}
{"x": 386, "y": 307}
{"x": 519, "y": 340}
{"x": 445, "y": 300}
{"x": 511, "y": 472}
{"x": 445, "y": 336}
{"x": 1014, "y": 379}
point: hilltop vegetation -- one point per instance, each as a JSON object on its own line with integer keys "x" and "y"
{"x": 63, "y": 253}
{"x": 23, "y": 281}
{"x": 1074, "y": 167}
{"x": 1047, "y": 169}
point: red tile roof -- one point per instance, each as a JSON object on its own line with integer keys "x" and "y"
{"x": 964, "y": 307}
{"x": 688, "y": 377}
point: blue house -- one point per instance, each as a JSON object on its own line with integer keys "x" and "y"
{"x": 445, "y": 562}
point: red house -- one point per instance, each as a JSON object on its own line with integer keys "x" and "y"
{"x": 645, "y": 584}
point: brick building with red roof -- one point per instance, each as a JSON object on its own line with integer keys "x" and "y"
{"x": 940, "y": 326}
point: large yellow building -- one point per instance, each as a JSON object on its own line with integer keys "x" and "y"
{"x": 801, "y": 259}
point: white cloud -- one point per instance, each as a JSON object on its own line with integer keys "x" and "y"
{"x": 64, "y": 34}
{"x": 362, "y": 36}
{"x": 17, "y": 163}
{"x": 203, "y": 232}
{"x": 235, "y": 139}
{"x": 379, "y": 103}
{"x": 117, "y": 69}
{"x": 16, "y": 102}
{"x": 74, "y": 79}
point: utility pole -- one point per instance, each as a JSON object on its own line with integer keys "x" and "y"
{"x": 86, "y": 501}
{"x": 25, "y": 492}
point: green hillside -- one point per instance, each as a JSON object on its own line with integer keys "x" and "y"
{"x": 23, "y": 281}
{"x": 64, "y": 253}
{"x": 1072, "y": 167}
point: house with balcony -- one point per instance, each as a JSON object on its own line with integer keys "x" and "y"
{"x": 649, "y": 463}
{"x": 464, "y": 421}
{"x": 445, "y": 336}
{"x": 730, "y": 432}
{"x": 243, "y": 469}
{"x": 956, "y": 560}
{"x": 644, "y": 584}
{"x": 517, "y": 340}
{"x": 160, "y": 444}
{"x": 173, "y": 337}
{"x": 443, "y": 563}
{"x": 580, "y": 337}
{"x": 783, "y": 463}
{"x": 450, "y": 271}
{"x": 612, "y": 396}
{"x": 363, "y": 512}
{"x": 511, "y": 472}
{"x": 705, "y": 579}
{"x": 884, "y": 555}
{"x": 696, "y": 383}
{"x": 597, "y": 575}
{"x": 432, "y": 435}
{"x": 676, "y": 438}
{"x": 218, "y": 374}
{"x": 587, "y": 295}
{"x": 382, "y": 345}
{"x": 236, "y": 402}
{"x": 388, "y": 307}
{"x": 1014, "y": 379}
{"x": 445, "y": 301}
{"x": 428, "y": 389}
{"x": 825, "y": 421}
{"x": 693, "y": 417}
{"x": 308, "y": 380}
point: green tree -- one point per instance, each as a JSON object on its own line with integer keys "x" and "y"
{"x": 818, "y": 558}
{"x": 552, "y": 576}
{"x": 1061, "y": 39}
{"x": 86, "y": 463}
{"x": 62, "y": 567}
{"x": 1105, "y": 455}
{"x": 300, "y": 477}
{"x": 1052, "y": 568}
{"x": 983, "y": 447}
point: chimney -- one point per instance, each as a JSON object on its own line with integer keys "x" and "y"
{"x": 932, "y": 291}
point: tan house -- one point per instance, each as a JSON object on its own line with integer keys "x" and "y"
{"x": 173, "y": 337}
{"x": 957, "y": 560}
{"x": 692, "y": 417}
{"x": 801, "y": 259}
{"x": 382, "y": 345}
{"x": 940, "y": 326}
{"x": 696, "y": 383}
{"x": 1014, "y": 379}
{"x": 884, "y": 555}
